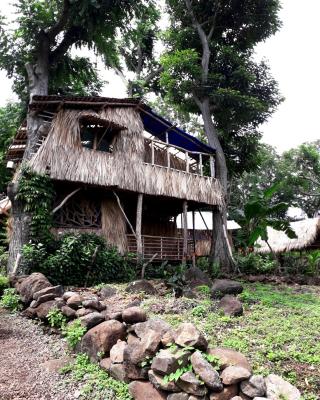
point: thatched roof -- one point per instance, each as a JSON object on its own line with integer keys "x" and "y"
{"x": 308, "y": 236}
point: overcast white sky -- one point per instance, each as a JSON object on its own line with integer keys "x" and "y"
{"x": 293, "y": 54}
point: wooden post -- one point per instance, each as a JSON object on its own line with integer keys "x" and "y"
{"x": 138, "y": 227}
{"x": 168, "y": 152}
{"x": 194, "y": 240}
{"x": 212, "y": 167}
{"x": 187, "y": 161}
{"x": 200, "y": 164}
{"x": 152, "y": 152}
{"x": 185, "y": 231}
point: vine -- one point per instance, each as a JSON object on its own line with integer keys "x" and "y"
{"x": 37, "y": 193}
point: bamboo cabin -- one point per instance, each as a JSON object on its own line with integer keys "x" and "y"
{"x": 308, "y": 238}
{"x": 121, "y": 171}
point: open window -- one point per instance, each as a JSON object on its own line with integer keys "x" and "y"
{"x": 98, "y": 134}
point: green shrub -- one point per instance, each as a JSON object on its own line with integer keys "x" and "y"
{"x": 305, "y": 263}
{"x": 74, "y": 332}
{"x": 211, "y": 268}
{"x": 10, "y": 300}
{"x": 56, "y": 319}
{"x": 79, "y": 259}
{"x": 254, "y": 263}
{"x": 4, "y": 283}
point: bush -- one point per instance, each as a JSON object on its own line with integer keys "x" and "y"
{"x": 79, "y": 259}
{"x": 305, "y": 263}
{"x": 4, "y": 283}
{"x": 56, "y": 319}
{"x": 74, "y": 332}
{"x": 10, "y": 300}
{"x": 211, "y": 268}
{"x": 254, "y": 263}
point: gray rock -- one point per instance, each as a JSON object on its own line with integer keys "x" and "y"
{"x": 137, "y": 352}
{"x": 221, "y": 287}
{"x": 57, "y": 291}
{"x": 91, "y": 320}
{"x": 226, "y": 393}
{"x": 194, "y": 277}
{"x": 112, "y": 315}
{"x": 107, "y": 292}
{"x": 74, "y": 301}
{"x": 134, "y": 303}
{"x": 81, "y": 312}
{"x": 133, "y": 315}
{"x": 255, "y": 386}
{"x": 117, "y": 371}
{"x": 278, "y": 389}
{"x": 141, "y": 286}
{"x": 231, "y": 306}
{"x": 260, "y": 398}
{"x": 234, "y": 374}
{"x": 188, "y": 335}
{"x": 206, "y": 372}
{"x": 178, "y": 396}
{"x": 159, "y": 382}
{"x": 228, "y": 357}
{"x": 236, "y": 398}
{"x": 145, "y": 391}
{"x": 167, "y": 361}
{"x": 168, "y": 338}
{"x": 42, "y": 299}
{"x": 31, "y": 285}
{"x": 134, "y": 372}
{"x": 95, "y": 304}
{"x": 189, "y": 383}
{"x": 117, "y": 351}
{"x": 105, "y": 364}
{"x": 102, "y": 338}
{"x": 43, "y": 309}
{"x": 68, "y": 312}
{"x": 66, "y": 295}
{"x": 155, "y": 324}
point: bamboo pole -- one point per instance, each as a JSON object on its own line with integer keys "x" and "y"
{"x": 194, "y": 240}
{"x": 138, "y": 227}
{"x": 201, "y": 165}
{"x": 212, "y": 167}
{"x": 185, "y": 231}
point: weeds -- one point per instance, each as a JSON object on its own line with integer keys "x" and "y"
{"x": 73, "y": 333}
{"x": 10, "y": 300}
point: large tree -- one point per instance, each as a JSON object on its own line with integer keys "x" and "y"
{"x": 37, "y": 55}
{"x": 209, "y": 69}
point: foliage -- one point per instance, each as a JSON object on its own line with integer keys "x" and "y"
{"x": 208, "y": 266}
{"x": 10, "y": 300}
{"x": 78, "y": 259}
{"x": 4, "y": 283}
{"x": 96, "y": 382}
{"x": 305, "y": 263}
{"x": 73, "y": 332}
{"x": 56, "y": 319}
{"x": 253, "y": 263}
{"x": 176, "y": 279}
{"x": 174, "y": 376}
{"x": 37, "y": 193}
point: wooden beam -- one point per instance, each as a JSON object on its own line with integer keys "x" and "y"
{"x": 139, "y": 226}
{"x": 124, "y": 214}
{"x": 185, "y": 231}
{"x": 212, "y": 167}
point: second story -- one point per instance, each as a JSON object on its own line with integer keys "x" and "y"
{"x": 119, "y": 143}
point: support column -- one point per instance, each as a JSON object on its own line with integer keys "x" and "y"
{"x": 185, "y": 231}
{"x": 194, "y": 239}
{"x": 138, "y": 227}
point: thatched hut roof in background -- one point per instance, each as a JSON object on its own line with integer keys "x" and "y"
{"x": 308, "y": 237}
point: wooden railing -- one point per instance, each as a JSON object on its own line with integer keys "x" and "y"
{"x": 186, "y": 163}
{"x": 166, "y": 248}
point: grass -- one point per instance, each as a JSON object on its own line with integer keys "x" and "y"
{"x": 279, "y": 331}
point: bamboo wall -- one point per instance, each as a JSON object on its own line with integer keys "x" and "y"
{"x": 63, "y": 157}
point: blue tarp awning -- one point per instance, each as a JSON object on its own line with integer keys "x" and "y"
{"x": 158, "y": 126}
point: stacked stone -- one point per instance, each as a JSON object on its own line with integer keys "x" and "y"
{"x": 144, "y": 352}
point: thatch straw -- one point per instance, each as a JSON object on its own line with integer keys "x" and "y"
{"x": 307, "y": 232}
{"x": 113, "y": 225}
{"x": 63, "y": 156}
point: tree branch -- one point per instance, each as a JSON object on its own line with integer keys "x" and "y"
{"x": 71, "y": 36}
{"x": 60, "y": 24}
{"x": 65, "y": 200}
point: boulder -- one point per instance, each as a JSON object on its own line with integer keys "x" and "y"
{"x": 102, "y": 338}
{"x": 168, "y": 338}
{"x": 221, "y": 287}
{"x": 57, "y": 291}
{"x": 107, "y": 291}
{"x": 155, "y": 324}
{"x": 255, "y": 386}
{"x": 112, "y": 315}
{"x": 137, "y": 352}
{"x": 29, "y": 312}
{"x": 43, "y": 309}
{"x": 231, "y": 306}
{"x": 117, "y": 371}
{"x": 206, "y": 372}
{"x": 178, "y": 396}
{"x": 135, "y": 372}
{"x": 145, "y": 391}
{"x": 91, "y": 320}
{"x": 278, "y": 389}
{"x": 226, "y": 393}
{"x": 105, "y": 364}
{"x": 194, "y": 277}
{"x": 188, "y": 335}
{"x": 133, "y": 339}
{"x": 117, "y": 351}
{"x": 93, "y": 304}
{"x": 31, "y": 285}
{"x": 81, "y": 312}
{"x": 74, "y": 301}
{"x": 134, "y": 303}
{"x": 68, "y": 312}
{"x": 189, "y": 383}
{"x": 167, "y": 361}
{"x": 236, "y": 398}
{"x": 141, "y": 286}
{"x": 234, "y": 374}
{"x": 66, "y": 295}
{"x": 42, "y": 299}
{"x": 133, "y": 315}
{"x": 229, "y": 357}
{"x": 159, "y": 382}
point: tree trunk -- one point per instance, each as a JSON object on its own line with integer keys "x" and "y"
{"x": 38, "y": 75}
{"x": 221, "y": 252}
